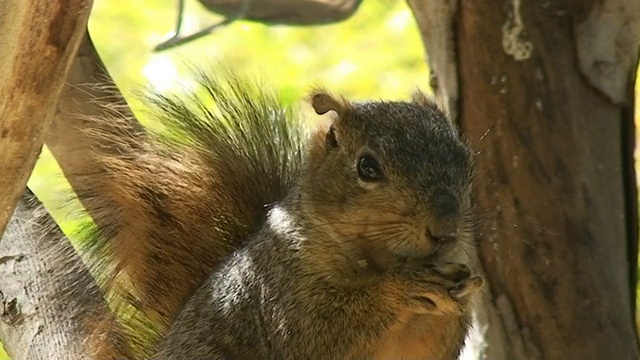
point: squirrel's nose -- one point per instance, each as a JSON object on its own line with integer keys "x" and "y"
{"x": 441, "y": 237}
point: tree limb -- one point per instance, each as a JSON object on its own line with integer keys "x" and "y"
{"x": 46, "y": 294}
{"x": 435, "y": 21}
{"x": 607, "y": 46}
{"x": 89, "y": 100}
{"x": 37, "y": 43}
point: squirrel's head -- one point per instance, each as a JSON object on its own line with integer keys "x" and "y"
{"x": 392, "y": 177}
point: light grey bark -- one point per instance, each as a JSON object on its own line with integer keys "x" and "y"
{"x": 46, "y": 294}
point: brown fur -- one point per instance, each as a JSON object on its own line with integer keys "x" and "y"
{"x": 375, "y": 255}
{"x": 231, "y": 234}
{"x": 168, "y": 208}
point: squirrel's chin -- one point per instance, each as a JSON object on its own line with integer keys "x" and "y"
{"x": 416, "y": 259}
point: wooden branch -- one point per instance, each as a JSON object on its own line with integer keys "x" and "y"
{"x": 89, "y": 100}
{"x": 607, "y": 47}
{"x": 37, "y": 43}
{"x": 435, "y": 21}
{"x": 46, "y": 294}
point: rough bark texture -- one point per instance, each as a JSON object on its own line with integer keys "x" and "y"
{"x": 545, "y": 97}
{"x": 46, "y": 294}
{"x": 292, "y": 12}
{"x": 36, "y": 55}
{"x": 435, "y": 19}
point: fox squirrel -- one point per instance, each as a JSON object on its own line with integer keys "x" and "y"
{"x": 237, "y": 231}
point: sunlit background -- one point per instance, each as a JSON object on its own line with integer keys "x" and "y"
{"x": 376, "y": 53}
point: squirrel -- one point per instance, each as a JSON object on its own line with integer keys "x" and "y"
{"x": 234, "y": 229}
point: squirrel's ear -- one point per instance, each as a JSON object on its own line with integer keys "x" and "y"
{"x": 323, "y": 102}
{"x": 422, "y": 99}
{"x": 331, "y": 140}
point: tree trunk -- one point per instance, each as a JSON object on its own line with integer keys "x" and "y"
{"x": 37, "y": 43}
{"x": 47, "y": 297}
{"x": 544, "y": 93}
{"x": 46, "y": 294}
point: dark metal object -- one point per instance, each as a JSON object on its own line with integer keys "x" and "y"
{"x": 177, "y": 40}
{"x": 288, "y": 12}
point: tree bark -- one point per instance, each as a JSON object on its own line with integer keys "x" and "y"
{"x": 46, "y": 295}
{"x": 89, "y": 101}
{"x": 544, "y": 93}
{"x": 37, "y": 43}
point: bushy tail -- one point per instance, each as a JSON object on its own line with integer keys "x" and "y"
{"x": 173, "y": 202}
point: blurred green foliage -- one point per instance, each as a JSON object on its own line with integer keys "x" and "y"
{"x": 377, "y": 53}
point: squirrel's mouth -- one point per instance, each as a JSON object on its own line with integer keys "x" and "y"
{"x": 439, "y": 252}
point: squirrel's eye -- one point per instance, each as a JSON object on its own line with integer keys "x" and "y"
{"x": 368, "y": 168}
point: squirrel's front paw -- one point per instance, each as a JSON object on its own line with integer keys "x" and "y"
{"x": 439, "y": 290}
{"x": 465, "y": 283}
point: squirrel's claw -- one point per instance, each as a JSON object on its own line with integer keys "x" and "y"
{"x": 442, "y": 290}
